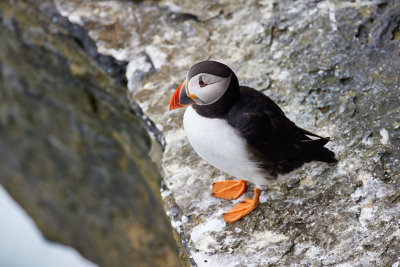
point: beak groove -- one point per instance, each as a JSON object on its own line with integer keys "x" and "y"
{"x": 180, "y": 99}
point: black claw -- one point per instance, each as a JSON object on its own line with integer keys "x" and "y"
{"x": 213, "y": 194}
{"x": 223, "y": 214}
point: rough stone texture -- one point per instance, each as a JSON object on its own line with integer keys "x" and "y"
{"x": 72, "y": 152}
{"x": 331, "y": 65}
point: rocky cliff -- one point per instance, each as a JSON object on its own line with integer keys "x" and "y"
{"x": 330, "y": 65}
{"x": 73, "y": 153}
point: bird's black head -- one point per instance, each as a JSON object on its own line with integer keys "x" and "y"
{"x": 211, "y": 67}
{"x": 211, "y": 86}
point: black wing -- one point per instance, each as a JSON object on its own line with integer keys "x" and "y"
{"x": 274, "y": 140}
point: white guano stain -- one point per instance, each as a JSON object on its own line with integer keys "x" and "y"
{"x": 385, "y": 136}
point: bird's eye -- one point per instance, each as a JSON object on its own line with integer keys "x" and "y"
{"x": 201, "y": 83}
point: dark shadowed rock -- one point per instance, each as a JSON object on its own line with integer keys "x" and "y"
{"x": 72, "y": 152}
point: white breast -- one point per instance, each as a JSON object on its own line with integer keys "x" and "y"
{"x": 221, "y": 145}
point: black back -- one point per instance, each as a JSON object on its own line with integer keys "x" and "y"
{"x": 275, "y": 141}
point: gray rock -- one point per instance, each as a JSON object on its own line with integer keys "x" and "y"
{"x": 331, "y": 65}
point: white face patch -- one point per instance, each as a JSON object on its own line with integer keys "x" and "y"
{"x": 207, "y": 88}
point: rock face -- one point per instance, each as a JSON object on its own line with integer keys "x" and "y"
{"x": 331, "y": 66}
{"x": 73, "y": 154}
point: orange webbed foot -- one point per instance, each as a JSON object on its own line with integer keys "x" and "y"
{"x": 243, "y": 208}
{"x": 228, "y": 189}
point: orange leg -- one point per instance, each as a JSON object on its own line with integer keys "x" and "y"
{"x": 228, "y": 189}
{"x": 243, "y": 208}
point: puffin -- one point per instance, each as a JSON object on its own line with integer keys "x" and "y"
{"x": 242, "y": 132}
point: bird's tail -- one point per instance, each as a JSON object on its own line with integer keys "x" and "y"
{"x": 316, "y": 151}
{"x": 324, "y": 155}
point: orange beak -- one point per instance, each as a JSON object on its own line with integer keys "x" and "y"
{"x": 180, "y": 99}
